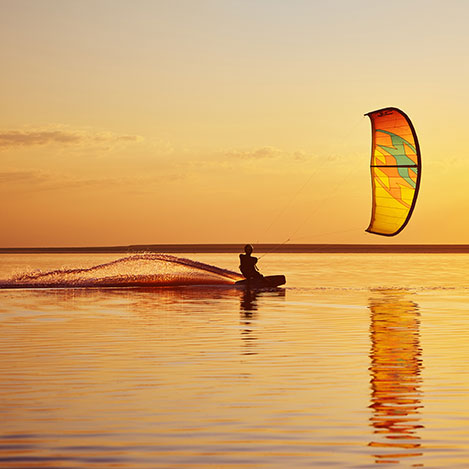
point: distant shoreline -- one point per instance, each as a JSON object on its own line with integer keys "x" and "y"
{"x": 259, "y": 248}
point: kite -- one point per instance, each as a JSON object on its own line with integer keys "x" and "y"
{"x": 395, "y": 171}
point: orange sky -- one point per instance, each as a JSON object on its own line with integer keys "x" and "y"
{"x": 224, "y": 121}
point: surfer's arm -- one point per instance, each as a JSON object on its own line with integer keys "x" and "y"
{"x": 254, "y": 264}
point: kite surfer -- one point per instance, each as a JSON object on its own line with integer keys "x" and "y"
{"x": 248, "y": 264}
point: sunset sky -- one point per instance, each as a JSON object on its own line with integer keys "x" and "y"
{"x": 198, "y": 121}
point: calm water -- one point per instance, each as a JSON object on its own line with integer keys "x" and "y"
{"x": 360, "y": 360}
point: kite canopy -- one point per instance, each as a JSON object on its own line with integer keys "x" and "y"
{"x": 395, "y": 171}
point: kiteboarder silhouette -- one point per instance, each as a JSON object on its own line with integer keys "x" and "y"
{"x": 248, "y": 264}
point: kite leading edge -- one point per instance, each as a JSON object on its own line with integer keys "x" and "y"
{"x": 395, "y": 171}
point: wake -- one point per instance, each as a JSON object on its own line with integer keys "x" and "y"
{"x": 139, "y": 270}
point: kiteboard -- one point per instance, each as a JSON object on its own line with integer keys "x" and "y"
{"x": 264, "y": 282}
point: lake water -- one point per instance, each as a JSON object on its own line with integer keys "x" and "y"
{"x": 359, "y": 360}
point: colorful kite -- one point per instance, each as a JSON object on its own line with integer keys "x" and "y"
{"x": 395, "y": 171}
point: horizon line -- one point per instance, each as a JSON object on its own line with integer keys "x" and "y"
{"x": 238, "y": 247}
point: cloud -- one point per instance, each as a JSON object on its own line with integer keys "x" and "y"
{"x": 18, "y": 176}
{"x": 300, "y": 155}
{"x": 22, "y": 138}
{"x": 34, "y": 180}
{"x": 28, "y": 138}
{"x": 259, "y": 153}
{"x": 268, "y": 152}
{"x": 27, "y": 181}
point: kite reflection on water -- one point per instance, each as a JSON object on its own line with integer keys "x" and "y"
{"x": 396, "y": 367}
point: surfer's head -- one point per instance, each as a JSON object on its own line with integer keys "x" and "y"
{"x": 248, "y": 249}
